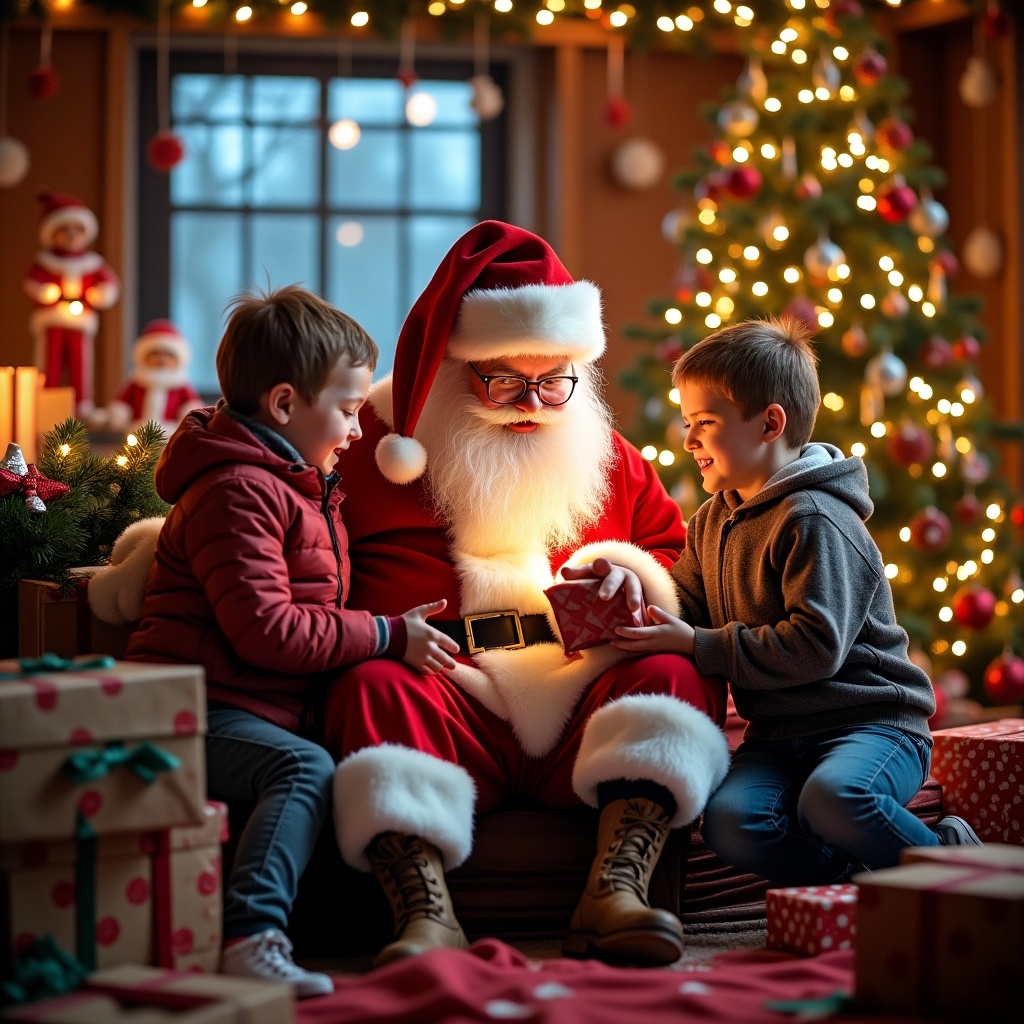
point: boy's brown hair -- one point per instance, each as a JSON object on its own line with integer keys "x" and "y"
{"x": 757, "y": 363}
{"x": 287, "y": 335}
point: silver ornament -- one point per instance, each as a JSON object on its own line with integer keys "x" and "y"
{"x": 825, "y": 74}
{"x": 886, "y": 372}
{"x": 738, "y": 119}
{"x": 673, "y": 226}
{"x": 637, "y": 164}
{"x": 487, "y": 99}
{"x": 928, "y": 218}
{"x": 14, "y": 460}
{"x": 753, "y": 82}
{"x": 822, "y": 258}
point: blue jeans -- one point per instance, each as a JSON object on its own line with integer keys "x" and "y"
{"x": 289, "y": 780}
{"x": 814, "y": 810}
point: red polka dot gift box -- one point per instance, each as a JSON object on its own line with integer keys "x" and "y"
{"x": 981, "y": 771}
{"x": 811, "y": 919}
{"x": 936, "y": 937}
{"x": 148, "y": 897}
{"x": 99, "y": 746}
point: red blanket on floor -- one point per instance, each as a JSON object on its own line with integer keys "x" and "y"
{"x": 492, "y": 982}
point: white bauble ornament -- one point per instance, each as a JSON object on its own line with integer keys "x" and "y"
{"x": 738, "y": 119}
{"x": 822, "y": 258}
{"x": 13, "y": 161}
{"x": 886, "y": 372}
{"x": 487, "y": 99}
{"x": 928, "y": 218}
{"x": 982, "y": 253}
{"x": 673, "y": 226}
{"x": 978, "y": 85}
{"x": 637, "y": 164}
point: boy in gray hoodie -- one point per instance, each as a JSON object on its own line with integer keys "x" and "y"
{"x": 784, "y": 593}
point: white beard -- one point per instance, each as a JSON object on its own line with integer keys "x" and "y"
{"x": 503, "y": 493}
{"x": 162, "y": 377}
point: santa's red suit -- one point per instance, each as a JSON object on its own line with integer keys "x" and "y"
{"x": 422, "y": 754}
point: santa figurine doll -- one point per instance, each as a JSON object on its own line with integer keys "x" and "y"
{"x": 68, "y": 283}
{"x": 158, "y": 388}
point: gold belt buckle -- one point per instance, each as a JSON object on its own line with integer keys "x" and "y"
{"x": 468, "y": 620}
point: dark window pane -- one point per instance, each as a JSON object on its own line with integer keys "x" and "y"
{"x": 363, "y": 277}
{"x": 445, "y": 170}
{"x": 285, "y": 249}
{"x": 369, "y": 175}
{"x": 286, "y": 167}
{"x": 212, "y": 172}
{"x": 278, "y": 98}
{"x": 210, "y": 97}
{"x": 369, "y": 101}
{"x": 206, "y": 270}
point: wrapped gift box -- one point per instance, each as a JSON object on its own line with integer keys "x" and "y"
{"x": 119, "y": 748}
{"x": 155, "y": 897}
{"x": 811, "y": 919}
{"x": 586, "y": 620}
{"x": 64, "y": 624}
{"x": 981, "y": 770}
{"x": 130, "y": 994}
{"x": 991, "y": 856}
{"x": 941, "y": 938}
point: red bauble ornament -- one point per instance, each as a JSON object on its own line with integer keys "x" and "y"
{"x": 839, "y": 9}
{"x": 668, "y": 350}
{"x": 407, "y": 77}
{"x": 869, "y": 66}
{"x": 936, "y": 352}
{"x": 43, "y": 82}
{"x": 896, "y": 202}
{"x": 808, "y": 187}
{"x": 995, "y": 22}
{"x": 711, "y": 187}
{"x": 894, "y": 134}
{"x": 968, "y": 510}
{"x": 721, "y": 152}
{"x": 164, "y": 151}
{"x": 743, "y": 181}
{"x": 910, "y": 443}
{"x": 941, "y": 703}
{"x": 974, "y": 606}
{"x": 1004, "y": 679}
{"x": 966, "y": 348}
{"x": 945, "y": 261}
{"x": 617, "y": 111}
{"x": 1017, "y": 513}
{"x": 930, "y": 529}
{"x": 801, "y": 308}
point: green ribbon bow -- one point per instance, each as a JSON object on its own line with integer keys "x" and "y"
{"x": 50, "y": 662}
{"x": 147, "y": 760}
{"x": 41, "y": 971}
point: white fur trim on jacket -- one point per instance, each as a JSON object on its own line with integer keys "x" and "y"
{"x": 655, "y": 738}
{"x": 392, "y": 788}
{"x": 117, "y": 590}
{"x": 535, "y": 319}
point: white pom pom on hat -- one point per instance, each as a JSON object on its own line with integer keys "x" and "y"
{"x": 499, "y": 292}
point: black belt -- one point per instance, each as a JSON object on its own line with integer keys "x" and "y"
{"x": 491, "y": 631}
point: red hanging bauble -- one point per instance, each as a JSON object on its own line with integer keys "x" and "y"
{"x": 743, "y": 181}
{"x": 930, "y": 529}
{"x": 974, "y": 606}
{"x": 910, "y": 443}
{"x": 869, "y": 66}
{"x": 1004, "y": 679}
{"x": 407, "y": 77}
{"x": 995, "y": 22}
{"x": 807, "y": 187}
{"x": 1017, "y": 513}
{"x": 801, "y": 308}
{"x": 968, "y": 510}
{"x": 668, "y": 350}
{"x": 936, "y": 352}
{"x": 896, "y": 202}
{"x": 617, "y": 111}
{"x": 946, "y": 261}
{"x": 43, "y": 82}
{"x": 894, "y": 134}
{"x": 711, "y": 186}
{"x": 966, "y": 348}
{"x": 164, "y": 151}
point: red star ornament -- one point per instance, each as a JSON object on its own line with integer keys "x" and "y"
{"x": 36, "y": 488}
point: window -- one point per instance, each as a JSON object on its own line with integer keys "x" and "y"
{"x": 266, "y": 198}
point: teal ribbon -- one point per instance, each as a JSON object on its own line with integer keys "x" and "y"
{"x": 50, "y": 662}
{"x": 813, "y": 1009}
{"x": 41, "y": 971}
{"x": 147, "y": 760}
{"x": 85, "y": 892}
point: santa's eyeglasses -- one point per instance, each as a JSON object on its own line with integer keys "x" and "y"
{"x": 505, "y": 390}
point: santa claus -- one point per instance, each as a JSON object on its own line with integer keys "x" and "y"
{"x": 158, "y": 388}
{"x": 489, "y": 470}
{"x": 68, "y": 283}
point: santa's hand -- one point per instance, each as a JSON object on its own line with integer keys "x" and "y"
{"x": 428, "y": 650}
{"x": 616, "y": 577}
{"x": 665, "y": 633}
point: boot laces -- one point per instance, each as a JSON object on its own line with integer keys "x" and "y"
{"x": 629, "y": 860}
{"x": 411, "y": 880}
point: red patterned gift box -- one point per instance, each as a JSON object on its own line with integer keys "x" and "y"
{"x": 981, "y": 770}
{"x": 586, "y": 620}
{"x": 153, "y": 897}
{"x": 941, "y": 938}
{"x": 118, "y": 748}
{"x": 130, "y": 994}
{"x": 811, "y": 919}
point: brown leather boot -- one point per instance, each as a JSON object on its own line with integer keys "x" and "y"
{"x": 412, "y": 874}
{"x": 614, "y": 920}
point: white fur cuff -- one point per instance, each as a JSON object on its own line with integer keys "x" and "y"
{"x": 654, "y": 738}
{"x": 391, "y": 788}
{"x": 117, "y": 590}
{"x": 659, "y": 586}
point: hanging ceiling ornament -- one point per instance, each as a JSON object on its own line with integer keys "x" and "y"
{"x": 487, "y": 99}
{"x": 17, "y": 477}
{"x": 983, "y": 253}
{"x": 43, "y": 81}
{"x": 165, "y": 150}
{"x": 753, "y": 83}
{"x": 407, "y": 54}
{"x": 617, "y": 112}
{"x": 345, "y": 132}
{"x": 637, "y": 164}
{"x": 14, "y": 159}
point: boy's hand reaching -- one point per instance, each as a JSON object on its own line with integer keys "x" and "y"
{"x": 615, "y": 577}
{"x": 666, "y": 633}
{"x": 428, "y": 650}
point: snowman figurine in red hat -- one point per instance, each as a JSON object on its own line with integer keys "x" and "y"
{"x": 69, "y": 285}
{"x": 158, "y": 388}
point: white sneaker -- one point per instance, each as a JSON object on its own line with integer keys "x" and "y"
{"x": 268, "y": 955}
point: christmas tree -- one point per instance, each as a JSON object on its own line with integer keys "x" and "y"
{"x": 814, "y": 200}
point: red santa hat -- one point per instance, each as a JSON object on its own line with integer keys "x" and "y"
{"x": 162, "y": 336}
{"x": 500, "y": 291}
{"x": 57, "y": 208}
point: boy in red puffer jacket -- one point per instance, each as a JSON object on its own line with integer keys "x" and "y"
{"x": 250, "y": 580}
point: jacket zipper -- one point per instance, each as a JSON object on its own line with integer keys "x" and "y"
{"x": 330, "y": 485}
